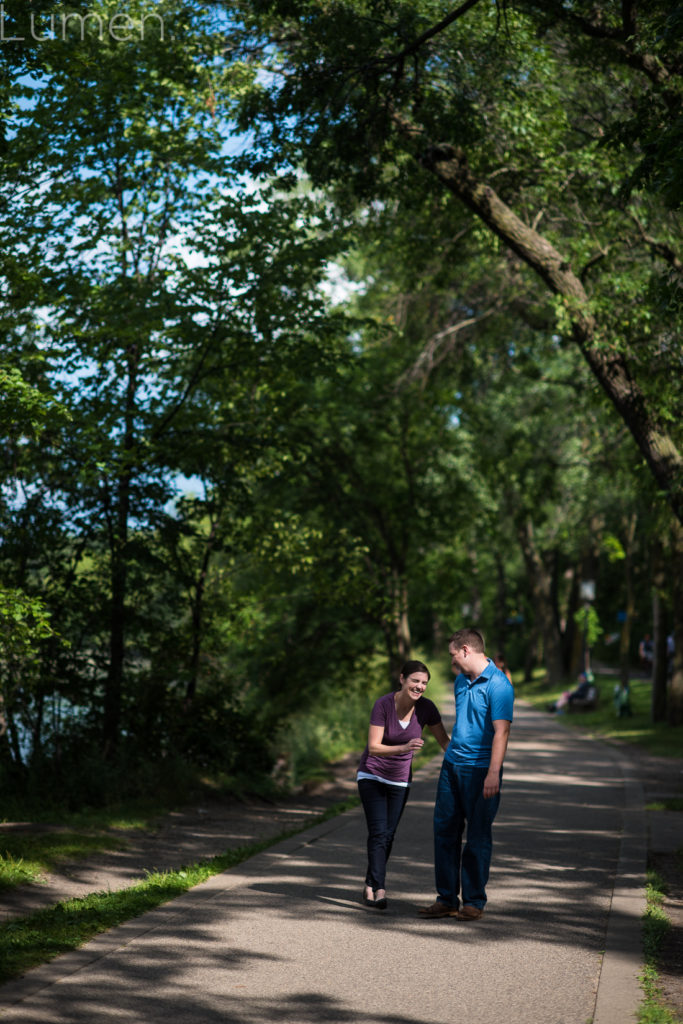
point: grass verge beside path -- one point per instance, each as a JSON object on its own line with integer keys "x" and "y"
{"x": 29, "y": 851}
{"x": 656, "y": 926}
{"x": 26, "y": 857}
{"x": 32, "y": 850}
{"x": 27, "y": 942}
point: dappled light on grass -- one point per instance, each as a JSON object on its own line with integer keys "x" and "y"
{"x": 24, "y": 858}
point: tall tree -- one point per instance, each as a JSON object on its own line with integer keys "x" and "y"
{"x": 158, "y": 294}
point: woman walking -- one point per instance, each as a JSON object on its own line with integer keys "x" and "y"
{"x": 385, "y": 768}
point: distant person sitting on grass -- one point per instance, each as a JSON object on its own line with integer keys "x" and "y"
{"x": 580, "y": 692}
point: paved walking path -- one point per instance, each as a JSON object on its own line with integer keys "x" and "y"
{"x": 284, "y": 937}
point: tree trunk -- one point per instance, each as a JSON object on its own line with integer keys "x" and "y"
{"x": 439, "y": 636}
{"x": 500, "y": 611}
{"x": 629, "y": 610}
{"x": 675, "y": 571}
{"x": 571, "y": 638}
{"x": 401, "y": 620}
{"x": 117, "y": 642}
{"x": 396, "y": 627}
{"x": 530, "y": 655}
{"x": 659, "y": 631}
{"x": 119, "y": 564}
{"x": 13, "y": 737}
{"x": 659, "y": 664}
{"x": 197, "y": 608}
{"x": 541, "y": 586}
{"x": 37, "y": 724}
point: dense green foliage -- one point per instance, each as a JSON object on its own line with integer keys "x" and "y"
{"x": 326, "y": 328}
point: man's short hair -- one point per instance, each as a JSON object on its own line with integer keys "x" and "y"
{"x": 467, "y": 637}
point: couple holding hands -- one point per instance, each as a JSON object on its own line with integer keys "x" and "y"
{"x": 468, "y": 791}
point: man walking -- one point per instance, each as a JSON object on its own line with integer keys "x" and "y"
{"x": 468, "y": 792}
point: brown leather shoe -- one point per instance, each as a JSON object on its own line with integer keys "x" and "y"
{"x": 438, "y": 909}
{"x": 469, "y": 913}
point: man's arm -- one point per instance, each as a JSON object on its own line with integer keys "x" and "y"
{"x": 501, "y": 733}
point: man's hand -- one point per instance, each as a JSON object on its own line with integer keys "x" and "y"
{"x": 491, "y": 784}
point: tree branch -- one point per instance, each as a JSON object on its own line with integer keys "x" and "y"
{"x": 449, "y": 165}
{"x": 622, "y": 39}
{"x": 439, "y": 347}
{"x": 434, "y": 30}
{"x": 628, "y": 18}
{"x": 660, "y": 248}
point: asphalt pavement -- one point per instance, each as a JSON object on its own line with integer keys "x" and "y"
{"x": 284, "y": 938}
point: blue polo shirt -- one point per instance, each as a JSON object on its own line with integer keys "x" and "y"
{"x": 478, "y": 704}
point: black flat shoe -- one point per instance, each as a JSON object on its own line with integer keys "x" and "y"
{"x": 380, "y": 904}
{"x": 367, "y": 901}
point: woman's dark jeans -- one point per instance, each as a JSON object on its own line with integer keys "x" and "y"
{"x": 383, "y": 805}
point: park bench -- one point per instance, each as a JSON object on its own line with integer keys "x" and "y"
{"x": 587, "y": 703}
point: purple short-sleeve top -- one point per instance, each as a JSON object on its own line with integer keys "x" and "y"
{"x": 397, "y": 768}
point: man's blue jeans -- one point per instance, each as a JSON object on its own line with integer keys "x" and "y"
{"x": 462, "y": 871}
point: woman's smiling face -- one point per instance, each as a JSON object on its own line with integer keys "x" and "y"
{"x": 415, "y": 684}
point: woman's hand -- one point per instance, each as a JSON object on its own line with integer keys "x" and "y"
{"x": 379, "y": 749}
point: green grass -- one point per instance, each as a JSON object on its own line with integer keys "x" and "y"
{"x": 24, "y": 857}
{"x": 673, "y": 803}
{"x": 135, "y": 813}
{"x": 29, "y": 941}
{"x": 27, "y": 855}
{"x": 660, "y": 739}
{"x": 139, "y": 811}
{"x": 656, "y": 926}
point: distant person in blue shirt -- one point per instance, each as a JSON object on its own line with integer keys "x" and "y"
{"x": 468, "y": 791}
